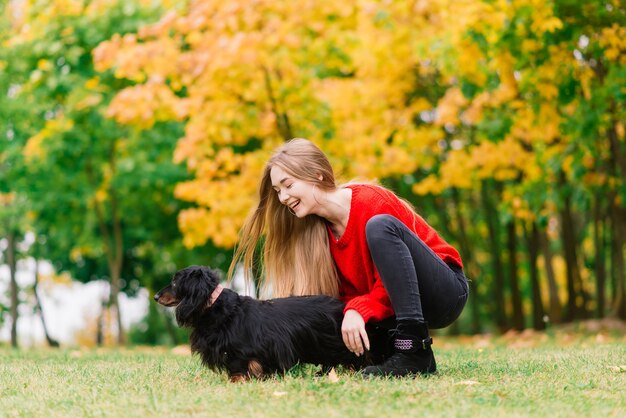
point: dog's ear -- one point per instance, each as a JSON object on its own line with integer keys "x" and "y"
{"x": 194, "y": 290}
{"x": 211, "y": 276}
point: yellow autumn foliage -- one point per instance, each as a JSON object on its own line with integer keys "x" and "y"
{"x": 145, "y": 104}
{"x": 613, "y": 40}
{"x": 450, "y": 106}
{"x": 34, "y": 145}
{"x": 245, "y": 76}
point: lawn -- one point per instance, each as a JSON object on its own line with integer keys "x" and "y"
{"x": 516, "y": 375}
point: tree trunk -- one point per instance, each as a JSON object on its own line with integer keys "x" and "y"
{"x": 113, "y": 251}
{"x": 493, "y": 225}
{"x": 532, "y": 240}
{"x": 516, "y": 296}
{"x": 12, "y": 261}
{"x": 51, "y": 341}
{"x": 600, "y": 268}
{"x": 554, "y": 304}
{"x": 116, "y": 270}
{"x": 100, "y": 325}
{"x": 115, "y": 303}
{"x": 282, "y": 118}
{"x": 618, "y": 215}
{"x": 568, "y": 239}
{"x": 112, "y": 240}
{"x": 618, "y": 306}
{"x": 467, "y": 255}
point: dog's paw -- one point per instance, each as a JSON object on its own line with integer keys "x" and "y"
{"x": 239, "y": 378}
{"x": 255, "y": 368}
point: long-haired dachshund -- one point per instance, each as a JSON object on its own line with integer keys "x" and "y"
{"x": 249, "y": 337}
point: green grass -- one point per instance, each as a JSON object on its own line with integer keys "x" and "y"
{"x": 519, "y": 376}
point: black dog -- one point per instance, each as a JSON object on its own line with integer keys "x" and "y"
{"x": 248, "y": 337}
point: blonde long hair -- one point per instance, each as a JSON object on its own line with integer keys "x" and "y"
{"x": 296, "y": 255}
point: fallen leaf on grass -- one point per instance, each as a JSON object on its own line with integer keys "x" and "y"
{"x": 332, "y": 376}
{"x": 621, "y": 368}
{"x": 467, "y": 382}
{"x": 181, "y": 350}
{"x": 279, "y": 394}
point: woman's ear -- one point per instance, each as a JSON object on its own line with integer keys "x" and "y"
{"x": 320, "y": 177}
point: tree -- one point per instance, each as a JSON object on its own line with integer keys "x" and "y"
{"x": 9, "y": 227}
{"x": 99, "y": 194}
{"x": 247, "y": 76}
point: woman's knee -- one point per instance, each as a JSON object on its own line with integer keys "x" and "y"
{"x": 378, "y": 226}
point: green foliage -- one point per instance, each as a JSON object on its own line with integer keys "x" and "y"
{"x": 85, "y": 158}
{"x": 158, "y": 327}
{"x": 64, "y": 158}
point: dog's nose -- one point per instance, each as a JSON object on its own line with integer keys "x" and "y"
{"x": 156, "y": 297}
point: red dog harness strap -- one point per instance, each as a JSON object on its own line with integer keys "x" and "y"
{"x": 216, "y": 294}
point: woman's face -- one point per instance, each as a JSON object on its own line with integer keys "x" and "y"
{"x": 295, "y": 193}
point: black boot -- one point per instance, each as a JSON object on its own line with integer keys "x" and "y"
{"x": 412, "y": 352}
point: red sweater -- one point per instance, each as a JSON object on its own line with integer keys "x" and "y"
{"x": 360, "y": 285}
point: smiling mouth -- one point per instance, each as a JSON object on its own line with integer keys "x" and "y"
{"x": 294, "y": 205}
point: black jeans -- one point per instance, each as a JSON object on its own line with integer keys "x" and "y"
{"x": 420, "y": 285}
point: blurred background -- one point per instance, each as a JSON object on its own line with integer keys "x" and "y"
{"x": 133, "y": 134}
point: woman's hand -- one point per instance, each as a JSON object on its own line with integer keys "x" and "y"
{"x": 353, "y": 332}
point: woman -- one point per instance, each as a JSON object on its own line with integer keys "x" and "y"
{"x": 359, "y": 242}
